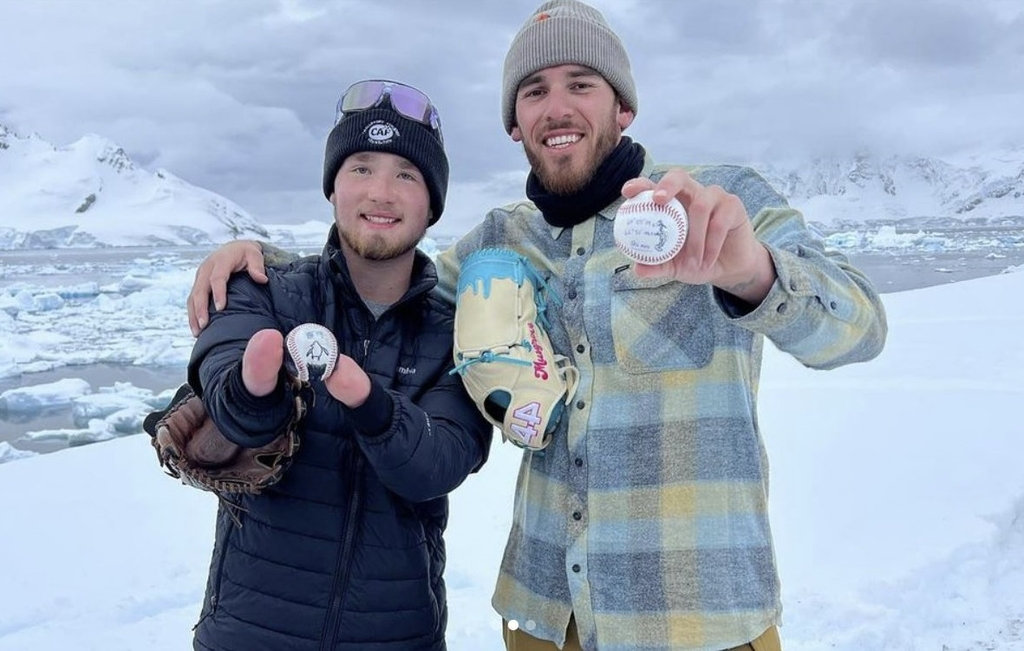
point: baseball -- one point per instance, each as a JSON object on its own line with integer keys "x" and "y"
{"x": 649, "y": 233}
{"x": 312, "y": 351}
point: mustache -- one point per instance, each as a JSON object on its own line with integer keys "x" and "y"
{"x": 561, "y": 124}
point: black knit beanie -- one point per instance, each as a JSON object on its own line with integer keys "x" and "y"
{"x": 384, "y": 129}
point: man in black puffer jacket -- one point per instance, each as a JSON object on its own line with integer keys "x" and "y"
{"x": 346, "y": 552}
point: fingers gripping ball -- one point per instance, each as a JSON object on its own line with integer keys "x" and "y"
{"x": 649, "y": 233}
{"x": 312, "y": 352}
{"x": 502, "y": 349}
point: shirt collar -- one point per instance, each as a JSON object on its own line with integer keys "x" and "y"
{"x": 608, "y": 212}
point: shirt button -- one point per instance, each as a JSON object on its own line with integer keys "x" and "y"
{"x": 580, "y": 251}
{"x": 571, "y": 294}
{"x": 792, "y": 285}
{"x": 833, "y": 305}
{"x": 781, "y": 309}
{"x": 580, "y": 404}
{"x": 578, "y": 462}
{"x": 577, "y": 516}
{"x": 581, "y": 348}
{"x": 576, "y": 568}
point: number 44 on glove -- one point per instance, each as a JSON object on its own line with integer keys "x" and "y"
{"x": 502, "y": 349}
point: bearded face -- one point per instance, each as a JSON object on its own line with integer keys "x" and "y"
{"x": 569, "y": 120}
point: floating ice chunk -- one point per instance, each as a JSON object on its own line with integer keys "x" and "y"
{"x": 40, "y": 365}
{"x": 10, "y": 453}
{"x": 157, "y": 297}
{"x": 35, "y": 398}
{"x": 8, "y": 367}
{"x": 9, "y": 305}
{"x": 162, "y": 399}
{"x": 845, "y": 241}
{"x": 127, "y": 421}
{"x": 104, "y": 405}
{"x": 130, "y": 284}
{"x": 106, "y": 303}
{"x": 84, "y": 290}
{"x": 96, "y": 430}
{"x": 24, "y": 300}
{"x": 933, "y": 243}
{"x": 888, "y": 238}
{"x": 47, "y": 302}
{"x": 126, "y": 390}
{"x": 163, "y": 352}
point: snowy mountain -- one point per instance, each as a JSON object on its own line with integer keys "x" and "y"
{"x": 981, "y": 190}
{"x": 91, "y": 194}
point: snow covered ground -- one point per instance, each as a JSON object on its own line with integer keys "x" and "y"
{"x": 897, "y": 496}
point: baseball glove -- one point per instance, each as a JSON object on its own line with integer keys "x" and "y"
{"x": 190, "y": 447}
{"x": 502, "y": 349}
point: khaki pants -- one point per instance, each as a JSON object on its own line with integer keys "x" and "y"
{"x": 518, "y": 640}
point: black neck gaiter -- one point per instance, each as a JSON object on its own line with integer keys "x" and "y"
{"x": 625, "y": 162}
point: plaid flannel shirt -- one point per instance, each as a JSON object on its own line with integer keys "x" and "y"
{"x": 647, "y": 516}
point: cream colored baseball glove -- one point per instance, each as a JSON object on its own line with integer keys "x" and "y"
{"x": 502, "y": 349}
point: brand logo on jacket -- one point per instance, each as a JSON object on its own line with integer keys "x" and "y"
{"x": 404, "y": 370}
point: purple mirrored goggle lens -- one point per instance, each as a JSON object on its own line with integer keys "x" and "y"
{"x": 406, "y": 100}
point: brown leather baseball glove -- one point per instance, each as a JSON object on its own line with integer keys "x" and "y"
{"x": 190, "y": 447}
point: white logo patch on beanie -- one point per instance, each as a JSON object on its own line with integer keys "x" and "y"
{"x": 381, "y": 132}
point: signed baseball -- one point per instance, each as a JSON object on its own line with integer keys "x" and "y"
{"x": 647, "y": 232}
{"x": 312, "y": 352}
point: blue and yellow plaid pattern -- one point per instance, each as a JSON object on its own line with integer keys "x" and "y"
{"x": 647, "y": 516}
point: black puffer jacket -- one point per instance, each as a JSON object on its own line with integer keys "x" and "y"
{"x": 346, "y": 552}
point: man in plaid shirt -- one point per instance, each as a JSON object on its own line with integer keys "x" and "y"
{"x": 644, "y": 524}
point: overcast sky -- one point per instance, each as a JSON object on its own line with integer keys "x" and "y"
{"x": 238, "y": 95}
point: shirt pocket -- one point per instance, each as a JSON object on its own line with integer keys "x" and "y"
{"x": 660, "y": 324}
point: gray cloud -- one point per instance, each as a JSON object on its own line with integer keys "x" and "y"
{"x": 238, "y": 95}
{"x": 922, "y": 34}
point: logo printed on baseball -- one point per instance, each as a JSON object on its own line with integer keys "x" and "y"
{"x": 648, "y": 233}
{"x": 313, "y": 351}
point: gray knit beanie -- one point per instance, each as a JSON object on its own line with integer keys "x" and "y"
{"x": 562, "y": 32}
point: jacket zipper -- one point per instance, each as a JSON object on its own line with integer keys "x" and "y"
{"x": 341, "y": 572}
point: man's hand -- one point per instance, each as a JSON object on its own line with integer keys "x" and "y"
{"x": 261, "y": 362}
{"x": 720, "y": 247}
{"x": 348, "y": 383}
{"x": 261, "y": 368}
{"x": 212, "y": 278}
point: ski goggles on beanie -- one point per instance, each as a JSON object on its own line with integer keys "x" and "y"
{"x": 407, "y": 101}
